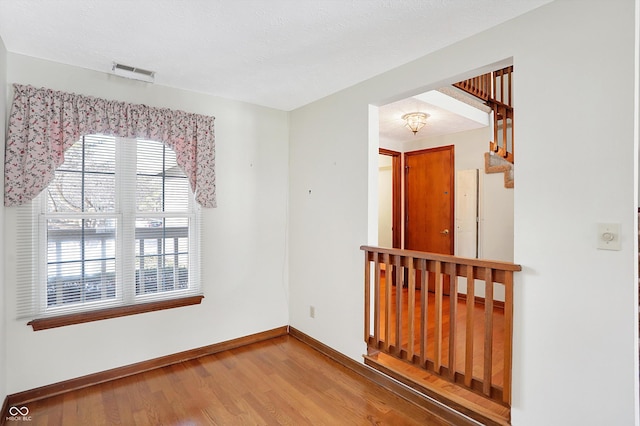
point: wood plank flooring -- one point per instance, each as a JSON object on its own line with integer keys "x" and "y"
{"x": 281, "y": 381}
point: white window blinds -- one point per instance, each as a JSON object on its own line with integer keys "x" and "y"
{"x": 118, "y": 225}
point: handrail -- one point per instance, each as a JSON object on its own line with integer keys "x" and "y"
{"x": 408, "y": 323}
{"x": 483, "y": 263}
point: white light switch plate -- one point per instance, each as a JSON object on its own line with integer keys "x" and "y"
{"x": 609, "y": 236}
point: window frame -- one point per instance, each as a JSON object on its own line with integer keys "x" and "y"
{"x": 126, "y": 301}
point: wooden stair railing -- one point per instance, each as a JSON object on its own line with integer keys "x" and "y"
{"x": 437, "y": 341}
{"x": 496, "y": 89}
{"x": 480, "y": 86}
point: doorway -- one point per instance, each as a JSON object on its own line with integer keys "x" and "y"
{"x": 450, "y": 207}
{"x": 389, "y": 214}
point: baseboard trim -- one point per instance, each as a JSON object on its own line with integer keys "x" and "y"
{"x": 497, "y": 304}
{"x": 31, "y": 395}
{"x": 401, "y": 390}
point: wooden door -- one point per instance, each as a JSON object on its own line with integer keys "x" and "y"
{"x": 429, "y": 201}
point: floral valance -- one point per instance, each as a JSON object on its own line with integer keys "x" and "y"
{"x": 44, "y": 123}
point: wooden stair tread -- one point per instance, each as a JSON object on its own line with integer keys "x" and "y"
{"x": 505, "y": 168}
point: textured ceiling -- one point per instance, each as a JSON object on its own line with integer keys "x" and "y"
{"x": 277, "y": 53}
{"x": 450, "y": 111}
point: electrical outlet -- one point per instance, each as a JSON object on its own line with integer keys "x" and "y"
{"x": 312, "y": 311}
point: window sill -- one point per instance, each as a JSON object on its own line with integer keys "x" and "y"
{"x": 121, "y": 311}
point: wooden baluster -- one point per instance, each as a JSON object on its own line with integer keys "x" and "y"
{"x": 469, "y": 330}
{"x": 513, "y": 146}
{"x": 502, "y": 98}
{"x": 387, "y": 302}
{"x": 496, "y": 122}
{"x": 377, "y": 315}
{"x": 424, "y": 312}
{"x": 437, "y": 358}
{"x": 495, "y": 85}
{"x": 504, "y": 130}
{"x": 398, "y": 283}
{"x": 488, "y": 331}
{"x": 411, "y": 309}
{"x": 509, "y": 87}
{"x": 487, "y": 86}
{"x": 509, "y": 102}
{"x": 508, "y": 337}
{"x": 367, "y": 292}
{"x": 453, "y": 315}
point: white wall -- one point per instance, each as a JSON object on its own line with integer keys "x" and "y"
{"x": 243, "y": 242}
{"x": 3, "y": 113}
{"x": 576, "y": 346}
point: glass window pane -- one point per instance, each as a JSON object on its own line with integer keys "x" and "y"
{"x": 100, "y": 280}
{"x": 86, "y": 176}
{"x": 150, "y": 158}
{"x": 149, "y": 195}
{"x": 100, "y": 154}
{"x": 177, "y": 222}
{"x": 99, "y": 193}
{"x": 99, "y": 239}
{"x": 81, "y": 264}
{"x": 176, "y": 194}
{"x": 161, "y": 254}
{"x": 64, "y": 194}
{"x": 161, "y": 184}
{"x": 65, "y": 288}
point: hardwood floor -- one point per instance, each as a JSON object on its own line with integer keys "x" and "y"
{"x": 278, "y": 381}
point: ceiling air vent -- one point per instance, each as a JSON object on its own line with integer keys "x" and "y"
{"x": 133, "y": 72}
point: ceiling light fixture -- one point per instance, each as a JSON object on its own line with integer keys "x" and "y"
{"x": 415, "y": 121}
{"x": 133, "y": 72}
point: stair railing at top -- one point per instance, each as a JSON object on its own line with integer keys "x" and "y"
{"x": 496, "y": 90}
{"x": 480, "y": 86}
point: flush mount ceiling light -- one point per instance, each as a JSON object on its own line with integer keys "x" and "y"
{"x": 133, "y": 72}
{"x": 415, "y": 121}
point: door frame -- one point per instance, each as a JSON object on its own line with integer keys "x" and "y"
{"x": 396, "y": 177}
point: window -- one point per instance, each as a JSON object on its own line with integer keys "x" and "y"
{"x": 118, "y": 226}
